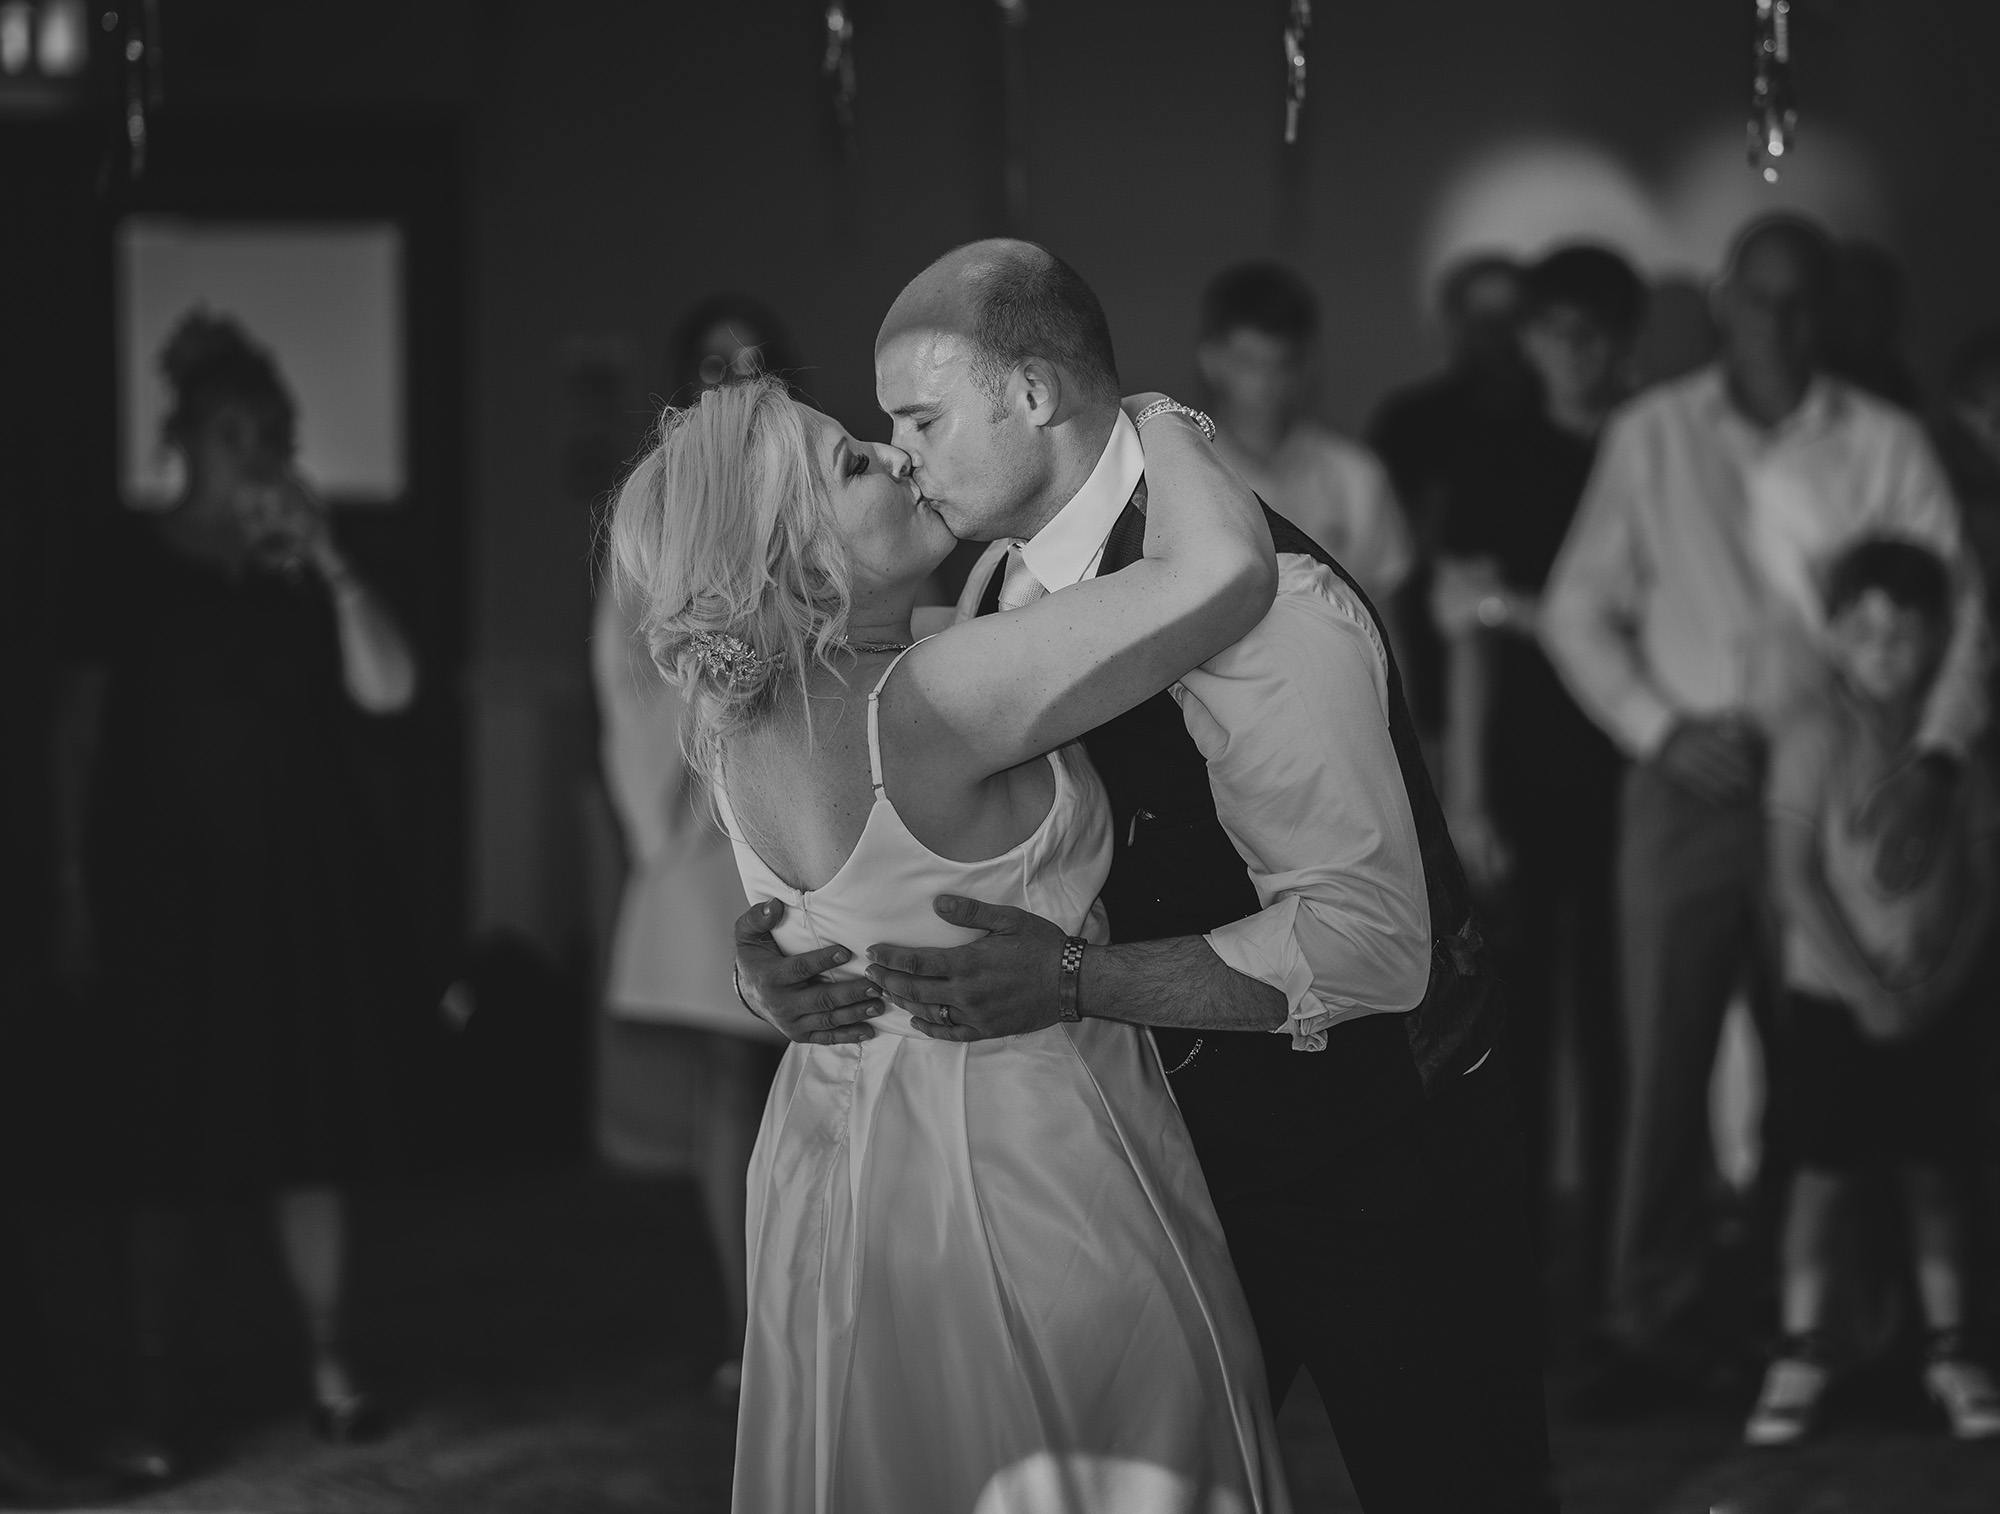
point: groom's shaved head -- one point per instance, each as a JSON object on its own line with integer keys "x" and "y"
{"x": 1010, "y": 301}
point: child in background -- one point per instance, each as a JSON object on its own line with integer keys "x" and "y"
{"x": 1882, "y": 991}
{"x": 1258, "y": 324}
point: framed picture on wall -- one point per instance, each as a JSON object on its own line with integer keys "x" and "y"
{"x": 327, "y": 300}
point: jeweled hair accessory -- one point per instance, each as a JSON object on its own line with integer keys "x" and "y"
{"x": 727, "y": 658}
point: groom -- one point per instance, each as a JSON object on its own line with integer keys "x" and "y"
{"x": 1282, "y": 866}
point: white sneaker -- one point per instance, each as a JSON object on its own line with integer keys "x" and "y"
{"x": 1793, "y": 1388}
{"x": 1965, "y": 1391}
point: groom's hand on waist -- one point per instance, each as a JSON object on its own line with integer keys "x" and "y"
{"x": 1003, "y": 984}
{"x": 790, "y": 991}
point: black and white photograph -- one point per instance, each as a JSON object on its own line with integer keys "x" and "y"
{"x": 1000, "y": 757}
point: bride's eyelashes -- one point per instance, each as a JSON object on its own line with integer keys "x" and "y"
{"x": 857, "y": 464}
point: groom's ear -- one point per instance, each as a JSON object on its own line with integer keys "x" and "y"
{"x": 1038, "y": 391}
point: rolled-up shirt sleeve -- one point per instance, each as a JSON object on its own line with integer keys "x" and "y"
{"x": 1293, "y": 721}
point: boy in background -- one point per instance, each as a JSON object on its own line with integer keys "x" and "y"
{"x": 1882, "y": 989}
{"x": 1258, "y": 325}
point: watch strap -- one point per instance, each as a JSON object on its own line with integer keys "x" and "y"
{"x": 1069, "y": 981}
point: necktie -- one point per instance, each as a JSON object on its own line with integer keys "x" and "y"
{"x": 1020, "y": 586}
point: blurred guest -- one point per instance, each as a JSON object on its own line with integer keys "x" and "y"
{"x": 1884, "y": 993}
{"x": 1530, "y": 782}
{"x": 670, "y": 980}
{"x": 1865, "y": 343}
{"x": 728, "y": 336}
{"x": 1259, "y": 323}
{"x": 670, "y": 991}
{"x": 215, "y": 870}
{"x": 1436, "y": 435}
{"x": 1684, "y": 613}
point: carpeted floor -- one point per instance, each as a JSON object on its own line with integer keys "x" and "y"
{"x": 547, "y": 1341}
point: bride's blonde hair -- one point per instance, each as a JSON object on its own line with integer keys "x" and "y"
{"x": 723, "y": 535}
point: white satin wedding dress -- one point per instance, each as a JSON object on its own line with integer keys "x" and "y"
{"x": 986, "y": 1278}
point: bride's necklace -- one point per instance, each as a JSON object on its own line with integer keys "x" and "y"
{"x": 874, "y": 646}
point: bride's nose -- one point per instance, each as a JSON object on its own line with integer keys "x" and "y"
{"x": 894, "y": 460}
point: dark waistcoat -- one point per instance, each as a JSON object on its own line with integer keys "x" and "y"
{"x": 1261, "y": 1113}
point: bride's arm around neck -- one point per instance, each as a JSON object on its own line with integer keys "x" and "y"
{"x": 994, "y": 692}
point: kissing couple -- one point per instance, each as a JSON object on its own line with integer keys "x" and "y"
{"x": 1140, "y": 1031}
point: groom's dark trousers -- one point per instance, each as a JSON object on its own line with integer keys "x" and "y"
{"x": 1371, "y": 1193}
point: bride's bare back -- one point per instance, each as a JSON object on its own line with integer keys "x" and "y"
{"x": 803, "y": 798}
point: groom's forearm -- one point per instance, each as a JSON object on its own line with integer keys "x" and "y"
{"x": 1178, "y": 983}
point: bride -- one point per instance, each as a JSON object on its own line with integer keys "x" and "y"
{"x": 984, "y": 1276}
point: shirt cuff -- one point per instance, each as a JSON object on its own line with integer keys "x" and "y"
{"x": 1265, "y": 946}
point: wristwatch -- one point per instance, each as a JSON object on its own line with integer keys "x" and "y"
{"x": 1069, "y": 981}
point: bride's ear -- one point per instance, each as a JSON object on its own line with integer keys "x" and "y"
{"x": 1038, "y": 390}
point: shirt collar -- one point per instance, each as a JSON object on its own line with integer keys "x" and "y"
{"x": 1821, "y": 407}
{"x": 1062, "y": 552}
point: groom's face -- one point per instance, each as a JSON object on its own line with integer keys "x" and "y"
{"x": 975, "y": 459}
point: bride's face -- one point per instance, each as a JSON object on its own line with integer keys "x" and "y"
{"x": 892, "y": 534}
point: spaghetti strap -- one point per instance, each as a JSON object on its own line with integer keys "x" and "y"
{"x": 874, "y": 727}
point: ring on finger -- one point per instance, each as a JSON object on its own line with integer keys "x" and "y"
{"x": 944, "y": 1014}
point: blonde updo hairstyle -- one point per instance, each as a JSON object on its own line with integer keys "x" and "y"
{"x": 725, "y": 529}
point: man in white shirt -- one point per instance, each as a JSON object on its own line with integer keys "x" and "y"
{"x": 1683, "y": 613}
{"x": 1344, "y": 930}
{"x": 1282, "y": 867}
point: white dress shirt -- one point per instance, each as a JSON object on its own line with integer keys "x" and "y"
{"x": 1690, "y": 583}
{"x": 1338, "y": 493}
{"x": 1294, "y": 722}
